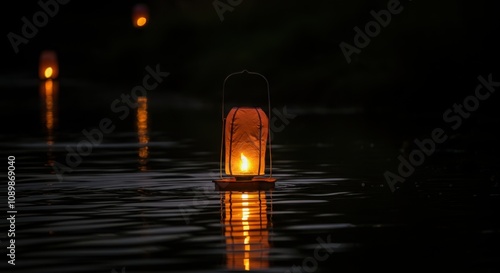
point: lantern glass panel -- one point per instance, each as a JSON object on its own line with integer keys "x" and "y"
{"x": 246, "y": 133}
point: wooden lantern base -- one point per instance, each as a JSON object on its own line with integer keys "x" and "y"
{"x": 244, "y": 184}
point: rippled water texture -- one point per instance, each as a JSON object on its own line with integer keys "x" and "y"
{"x": 143, "y": 199}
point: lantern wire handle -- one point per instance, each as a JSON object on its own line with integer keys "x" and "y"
{"x": 224, "y": 123}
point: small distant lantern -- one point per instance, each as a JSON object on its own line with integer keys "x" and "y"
{"x": 140, "y": 15}
{"x": 48, "y": 67}
{"x": 245, "y": 140}
{"x": 49, "y": 91}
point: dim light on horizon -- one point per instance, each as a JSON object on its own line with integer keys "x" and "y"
{"x": 140, "y": 15}
{"x": 141, "y": 21}
{"x": 48, "y": 66}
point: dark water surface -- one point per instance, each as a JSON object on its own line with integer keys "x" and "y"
{"x": 143, "y": 199}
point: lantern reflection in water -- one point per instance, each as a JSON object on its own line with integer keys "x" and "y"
{"x": 143, "y": 131}
{"x": 244, "y": 216}
{"x": 49, "y": 90}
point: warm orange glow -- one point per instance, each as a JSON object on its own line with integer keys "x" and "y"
{"x": 141, "y": 21}
{"x": 48, "y": 72}
{"x": 142, "y": 131}
{"x": 48, "y": 67}
{"x": 140, "y": 15}
{"x": 246, "y": 134}
{"x": 246, "y": 230}
{"x": 48, "y": 95}
{"x": 244, "y": 163}
{"x": 49, "y": 106}
{"x": 49, "y": 86}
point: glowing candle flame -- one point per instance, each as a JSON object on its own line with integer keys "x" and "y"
{"x": 141, "y": 21}
{"x": 48, "y": 72}
{"x": 244, "y": 163}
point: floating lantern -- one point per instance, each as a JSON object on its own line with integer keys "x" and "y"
{"x": 142, "y": 131}
{"x": 245, "y": 140}
{"x": 140, "y": 15}
{"x": 246, "y": 229}
{"x": 48, "y": 67}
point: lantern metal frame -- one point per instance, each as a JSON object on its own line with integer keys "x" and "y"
{"x": 259, "y": 182}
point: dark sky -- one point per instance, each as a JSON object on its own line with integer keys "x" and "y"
{"x": 430, "y": 54}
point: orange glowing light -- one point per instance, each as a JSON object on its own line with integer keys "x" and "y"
{"x": 142, "y": 131}
{"x": 246, "y": 230}
{"x": 48, "y": 95}
{"x": 48, "y": 66}
{"x": 49, "y": 105}
{"x": 246, "y": 133}
{"x": 49, "y": 90}
{"x": 245, "y": 141}
{"x": 48, "y": 72}
{"x": 141, "y": 21}
{"x": 140, "y": 15}
{"x": 244, "y": 163}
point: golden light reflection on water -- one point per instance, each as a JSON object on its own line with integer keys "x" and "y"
{"x": 143, "y": 132}
{"x": 49, "y": 90}
{"x": 246, "y": 229}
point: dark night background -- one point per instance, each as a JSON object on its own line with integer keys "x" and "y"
{"x": 352, "y": 120}
{"x": 424, "y": 61}
{"x": 430, "y": 54}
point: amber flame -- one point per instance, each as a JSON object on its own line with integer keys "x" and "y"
{"x": 141, "y": 21}
{"x": 48, "y": 72}
{"x": 244, "y": 163}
